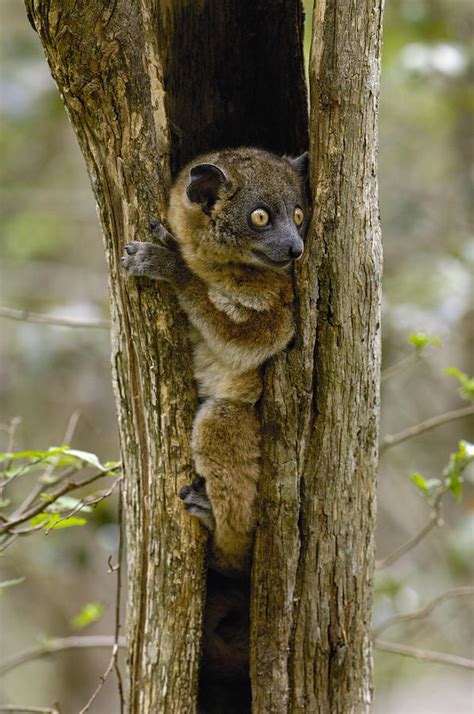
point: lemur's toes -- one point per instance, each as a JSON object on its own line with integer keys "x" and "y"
{"x": 184, "y": 491}
{"x": 197, "y": 503}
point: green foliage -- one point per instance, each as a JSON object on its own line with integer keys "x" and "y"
{"x": 458, "y": 463}
{"x": 90, "y": 613}
{"x": 453, "y": 475}
{"x": 425, "y": 485}
{"x": 53, "y": 521}
{"x": 58, "y": 456}
{"x": 466, "y": 383}
{"x": 420, "y": 340}
{"x": 49, "y": 506}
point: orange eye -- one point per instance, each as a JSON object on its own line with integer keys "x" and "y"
{"x": 298, "y": 216}
{"x": 259, "y": 217}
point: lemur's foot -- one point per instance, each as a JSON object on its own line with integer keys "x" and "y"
{"x": 197, "y": 503}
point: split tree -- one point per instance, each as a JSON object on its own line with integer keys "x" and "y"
{"x": 148, "y": 85}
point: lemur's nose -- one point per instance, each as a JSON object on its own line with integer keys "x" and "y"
{"x": 295, "y": 252}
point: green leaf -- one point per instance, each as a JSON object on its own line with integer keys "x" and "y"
{"x": 109, "y": 465}
{"x": 90, "y": 613}
{"x": 9, "y": 584}
{"x": 466, "y": 383}
{"x": 68, "y": 522}
{"x": 4, "y": 502}
{"x": 64, "y": 503}
{"x": 34, "y": 455}
{"x": 420, "y": 482}
{"x": 458, "y": 462}
{"x": 53, "y": 521}
{"x": 89, "y": 458}
{"x": 421, "y": 339}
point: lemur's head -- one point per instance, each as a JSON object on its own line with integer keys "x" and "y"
{"x": 241, "y": 207}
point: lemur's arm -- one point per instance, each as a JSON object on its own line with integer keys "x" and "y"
{"x": 233, "y": 341}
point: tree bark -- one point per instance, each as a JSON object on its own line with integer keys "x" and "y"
{"x": 314, "y": 554}
{"x": 107, "y": 63}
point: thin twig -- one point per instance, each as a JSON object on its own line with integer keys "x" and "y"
{"x": 103, "y": 679}
{"x": 434, "y": 521}
{"x": 26, "y": 316}
{"x": 411, "y": 359}
{"x": 425, "y": 655}
{"x": 426, "y": 425}
{"x": 39, "y": 488}
{"x": 91, "y": 500}
{"x": 59, "y": 644}
{"x": 423, "y": 611}
{"x": 11, "y": 431}
{"x": 118, "y": 597}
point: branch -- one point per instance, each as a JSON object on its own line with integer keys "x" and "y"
{"x": 434, "y": 521}
{"x": 52, "y": 497}
{"x": 423, "y": 611}
{"x": 19, "y": 710}
{"x": 59, "y": 644}
{"x": 431, "y": 423}
{"x": 426, "y": 655}
{"x": 102, "y": 679}
{"x": 26, "y": 316}
{"x": 118, "y": 595}
{"x": 410, "y": 359}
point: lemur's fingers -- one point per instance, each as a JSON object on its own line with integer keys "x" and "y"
{"x": 151, "y": 260}
{"x": 162, "y": 234}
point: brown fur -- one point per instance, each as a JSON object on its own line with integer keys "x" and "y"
{"x": 240, "y": 310}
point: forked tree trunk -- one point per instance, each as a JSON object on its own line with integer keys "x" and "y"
{"x": 147, "y": 86}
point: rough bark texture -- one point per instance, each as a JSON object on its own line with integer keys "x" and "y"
{"x": 313, "y": 557}
{"x": 107, "y": 64}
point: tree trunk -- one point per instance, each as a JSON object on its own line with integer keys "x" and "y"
{"x": 314, "y": 554}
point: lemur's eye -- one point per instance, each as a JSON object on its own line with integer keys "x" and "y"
{"x": 298, "y": 216}
{"x": 259, "y": 217}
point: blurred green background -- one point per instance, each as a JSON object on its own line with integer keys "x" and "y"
{"x": 51, "y": 261}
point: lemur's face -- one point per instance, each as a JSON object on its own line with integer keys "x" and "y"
{"x": 255, "y": 203}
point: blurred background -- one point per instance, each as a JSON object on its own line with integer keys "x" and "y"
{"x": 51, "y": 261}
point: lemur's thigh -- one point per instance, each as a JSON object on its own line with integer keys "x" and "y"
{"x": 226, "y": 450}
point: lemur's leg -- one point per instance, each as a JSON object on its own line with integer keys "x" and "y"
{"x": 226, "y": 450}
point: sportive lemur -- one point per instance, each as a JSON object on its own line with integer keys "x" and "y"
{"x": 237, "y": 220}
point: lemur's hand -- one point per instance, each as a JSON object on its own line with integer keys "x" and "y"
{"x": 159, "y": 261}
{"x": 151, "y": 260}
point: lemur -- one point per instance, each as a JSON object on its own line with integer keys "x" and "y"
{"x": 237, "y": 220}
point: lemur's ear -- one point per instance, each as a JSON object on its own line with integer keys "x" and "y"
{"x": 207, "y": 180}
{"x": 301, "y": 165}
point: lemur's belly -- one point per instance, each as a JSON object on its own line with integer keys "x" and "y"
{"x": 217, "y": 380}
